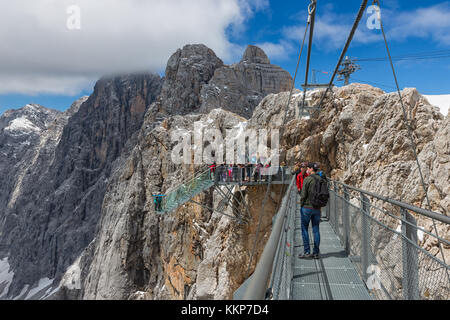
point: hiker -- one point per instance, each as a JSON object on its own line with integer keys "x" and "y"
{"x": 212, "y": 170}
{"x": 282, "y": 171}
{"x": 320, "y": 173}
{"x": 301, "y": 176}
{"x": 266, "y": 171}
{"x": 224, "y": 173}
{"x": 221, "y": 172}
{"x": 235, "y": 173}
{"x": 242, "y": 170}
{"x": 155, "y": 201}
{"x": 248, "y": 169}
{"x": 309, "y": 212}
{"x": 158, "y": 200}
{"x": 259, "y": 168}
{"x": 230, "y": 173}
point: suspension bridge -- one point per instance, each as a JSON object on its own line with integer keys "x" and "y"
{"x": 370, "y": 244}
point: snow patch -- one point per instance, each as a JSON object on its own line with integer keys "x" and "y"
{"x": 44, "y": 283}
{"x": 440, "y": 101}
{"x": 22, "y": 124}
{"x": 6, "y": 277}
{"x": 71, "y": 279}
{"x": 365, "y": 146}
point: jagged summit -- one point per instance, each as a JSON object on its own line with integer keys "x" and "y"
{"x": 254, "y": 54}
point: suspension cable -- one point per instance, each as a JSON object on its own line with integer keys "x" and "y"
{"x": 310, "y": 12}
{"x": 311, "y": 20}
{"x": 344, "y": 51}
{"x": 410, "y": 133}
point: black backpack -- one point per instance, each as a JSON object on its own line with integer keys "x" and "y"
{"x": 319, "y": 194}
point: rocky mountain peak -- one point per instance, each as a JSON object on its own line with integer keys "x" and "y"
{"x": 239, "y": 88}
{"x": 76, "y": 106}
{"x": 254, "y": 54}
{"x": 188, "y": 69}
{"x": 31, "y": 118}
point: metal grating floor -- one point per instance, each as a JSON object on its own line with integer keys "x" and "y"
{"x": 332, "y": 277}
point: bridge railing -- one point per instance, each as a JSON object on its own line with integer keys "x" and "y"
{"x": 387, "y": 245}
{"x": 251, "y": 175}
{"x": 274, "y": 268}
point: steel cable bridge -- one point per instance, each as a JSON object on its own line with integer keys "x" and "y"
{"x": 371, "y": 246}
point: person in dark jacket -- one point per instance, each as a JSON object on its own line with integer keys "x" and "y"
{"x": 309, "y": 213}
{"x": 220, "y": 172}
{"x": 242, "y": 172}
{"x": 248, "y": 170}
{"x": 235, "y": 171}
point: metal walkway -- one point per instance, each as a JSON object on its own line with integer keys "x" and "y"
{"x": 332, "y": 277}
{"x": 366, "y": 252}
{"x": 206, "y": 179}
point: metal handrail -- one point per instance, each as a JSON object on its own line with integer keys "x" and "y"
{"x": 358, "y": 241}
{"x": 424, "y": 212}
{"x": 257, "y": 287}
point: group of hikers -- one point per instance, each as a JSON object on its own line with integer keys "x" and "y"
{"x": 313, "y": 189}
{"x": 311, "y": 184}
{"x": 243, "y": 172}
{"x": 157, "y": 200}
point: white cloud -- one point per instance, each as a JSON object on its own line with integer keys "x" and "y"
{"x": 431, "y": 22}
{"x": 332, "y": 29}
{"x": 40, "y": 55}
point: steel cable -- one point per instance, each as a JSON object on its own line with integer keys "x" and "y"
{"x": 281, "y": 136}
{"x": 413, "y": 143}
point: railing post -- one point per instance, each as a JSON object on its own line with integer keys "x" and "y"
{"x": 346, "y": 222}
{"x": 328, "y": 205}
{"x": 365, "y": 232}
{"x": 410, "y": 281}
{"x": 335, "y": 206}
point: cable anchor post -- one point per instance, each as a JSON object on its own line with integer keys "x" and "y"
{"x": 311, "y": 9}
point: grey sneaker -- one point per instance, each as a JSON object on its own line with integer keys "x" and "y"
{"x": 305, "y": 256}
{"x": 316, "y": 256}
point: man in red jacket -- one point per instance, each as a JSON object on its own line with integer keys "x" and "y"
{"x": 301, "y": 176}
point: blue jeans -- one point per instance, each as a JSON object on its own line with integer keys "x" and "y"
{"x": 308, "y": 215}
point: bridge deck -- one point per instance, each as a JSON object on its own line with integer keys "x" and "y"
{"x": 332, "y": 277}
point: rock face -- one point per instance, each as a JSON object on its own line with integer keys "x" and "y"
{"x": 189, "y": 254}
{"x": 53, "y": 216}
{"x": 20, "y": 136}
{"x": 239, "y": 88}
{"x": 361, "y": 139}
{"x": 197, "y": 82}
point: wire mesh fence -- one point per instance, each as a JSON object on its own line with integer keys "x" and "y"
{"x": 381, "y": 240}
{"x": 282, "y": 272}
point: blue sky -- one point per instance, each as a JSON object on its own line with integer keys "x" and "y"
{"x": 44, "y": 77}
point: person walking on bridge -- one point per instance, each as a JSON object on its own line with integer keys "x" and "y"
{"x": 309, "y": 213}
{"x": 301, "y": 176}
